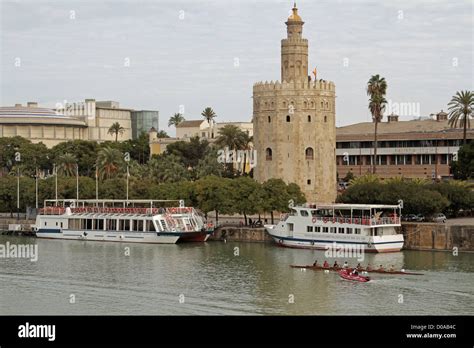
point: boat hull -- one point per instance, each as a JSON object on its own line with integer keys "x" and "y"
{"x": 109, "y": 236}
{"x": 200, "y": 236}
{"x": 385, "y": 244}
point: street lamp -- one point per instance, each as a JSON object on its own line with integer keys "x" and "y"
{"x": 17, "y": 160}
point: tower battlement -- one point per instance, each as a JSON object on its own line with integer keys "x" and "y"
{"x": 322, "y": 85}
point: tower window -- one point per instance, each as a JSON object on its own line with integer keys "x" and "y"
{"x": 309, "y": 153}
{"x": 268, "y": 154}
{"x": 288, "y": 118}
{"x": 309, "y": 118}
{"x": 309, "y": 181}
{"x": 322, "y": 105}
{"x": 327, "y": 105}
{"x": 269, "y": 119}
{"x": 325, "y": 119}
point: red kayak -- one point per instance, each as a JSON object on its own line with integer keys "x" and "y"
{"x": 345, "y": 274}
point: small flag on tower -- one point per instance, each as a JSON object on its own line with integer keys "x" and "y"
{"x": 315, "y": 72}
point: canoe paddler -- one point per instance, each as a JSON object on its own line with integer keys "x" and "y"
{"x": 336, "y": 265}
{"x": 315, "y": 263}
{"x": 369, "y": 268}
{"x": 346, "y": 264}
{"x": 381, "y": 268}
{"x": 325, "y": 264}
{"x": 392, "y": 269}
{"x": 358, "y": 267}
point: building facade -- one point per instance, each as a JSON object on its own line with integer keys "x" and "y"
{"x": 143, "y": 121}
{"x": 412, "y": 149}
{"x": 88, "y": 120}
{"x": 294, "y": 122}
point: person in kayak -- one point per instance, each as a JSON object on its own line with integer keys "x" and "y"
{"x": 346, "y": 264}
{"x": 392, "y": 269}
{"x": 358, "y": 267}
{"x": 325, "y": 264}
{"x": 335, "y": 265}
{"x": 369, "y": 268}
{"x": 315, "y": 264}
{"x": 354, "y": 272}
{"x": 381, "y": 268}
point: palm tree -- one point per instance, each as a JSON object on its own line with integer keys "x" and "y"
{"x": 67, "y": 164}
{"x": 116, "y": 129}
{"x": 175, "y": 120}
{"x": 460, "y": 110}
{"x": 376, "y": 89}
{"x": 109, "y": 162}
{"x": 248, "y": 140}
{"x": 232, "y": 137}
{"x": 209, "y": 115}
{"x": 162, "y": 134}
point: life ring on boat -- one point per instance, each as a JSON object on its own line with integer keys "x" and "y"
{"x": 334, "y": 220}
{"x": 314, "y": 220}
{"x": 121, "y": 236}
{"x": 370, "y": 244}
{"x": 325, "y": 220}
{"x": 280, "y": 241}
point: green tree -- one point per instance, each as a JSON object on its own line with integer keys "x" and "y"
{"x": 276, "y": 196}
{"x": 116, "y": 129}
{"x": 458, "y": 193}
{"x": 84, "y": 151}
{"x": 8, "y": 193}
{"x": 376, "y": 90}
{"x": 460, "y": 110}
{"x": 215, "y": 194}
{"x": 209, "y": 165}
{"x": 209, "y": 115}
{"x": 349, "y": 176}
{"x": 463, "y": 168}
{"x": 167, "y": 168}
{"x": 233, "y": 138}
{"x": 162, "y": 134}
{"x": 66, "y": 164}
{"x": 139, "y": 148}
{"x": 248, "y": 196}
{"x": 32, "y": 156}
{"x": 109, "y": 162}
{"x": 175, "y": 120}
{"x": 189, "y": 152}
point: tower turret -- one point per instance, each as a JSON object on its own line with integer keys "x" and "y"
{"x": 294, "y": 50}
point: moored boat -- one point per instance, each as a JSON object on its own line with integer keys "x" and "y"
{"x": 133, "y": 221}
{"x": 367, "y": 227}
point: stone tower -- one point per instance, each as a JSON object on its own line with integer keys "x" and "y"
{"x": 294, "y": 122}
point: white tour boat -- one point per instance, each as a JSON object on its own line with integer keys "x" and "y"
{"x": 319, "y": 226}
{"x": 134, "y": 221}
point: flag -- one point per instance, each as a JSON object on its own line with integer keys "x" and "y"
{"x": 315, "y": 72}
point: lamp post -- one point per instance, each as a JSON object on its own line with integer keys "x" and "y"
{"x": 17, "y": 160}
{"x": 55, "y": 173}
{"x": 126, "y": 157}
{"x": 36, "y": 187}
{"x": 77, "y": 181}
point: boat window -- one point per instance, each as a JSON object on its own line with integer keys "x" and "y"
{"x": 349, "y": 230}
{"x": 61, "y": 225}
{"x": 325, "y": 229}
{"x": 333, "y": 229}
{"x": 126, "y": 225}
{"x": 88, "y": 224}
{"x": 341, "y": 229}
{"x": 314, "y": 212}
{"x": 140, "y": 225}
{"x": 290, "y": 227}
{"x": 317, "y": 229}
{"x": 151, "y": 226}
{"x": 304, "y": 213}
{"x": 100, "y": 224}
{"x": 111, "y": 224}
{"x": 309, "y": 228}
{"x": 45, "y": 223}
{"x": 357, "y": 231}
{"x": 120, "y": 225}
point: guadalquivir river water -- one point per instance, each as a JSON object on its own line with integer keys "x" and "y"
{"x": 207, "y": 278}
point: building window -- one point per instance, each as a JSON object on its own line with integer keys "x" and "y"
{"x": 288, "y": 118}
{"x": 444, "y": 159}
{"x": 407, "y": 159}
{"x": 309, "y": 228}
{"x": 268, "y": 154}
{"x": 203, "y": 134}
{"x": 325, "y": 119}
{"x": 309, "y": 118}
{"x": 303, "y": 213}
{"x": 322, "y": 105}
{"x": 309, "y": 182}
{"x": 269, "y": 119}
{"x": 309, "y": 153}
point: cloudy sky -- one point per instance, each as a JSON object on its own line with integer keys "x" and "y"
{"x": 158, "y": 54}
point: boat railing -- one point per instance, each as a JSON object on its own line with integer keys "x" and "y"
{"x": 358, "y": 220}
{"x": 100, "y": 210}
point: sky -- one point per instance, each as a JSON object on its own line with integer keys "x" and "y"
{"x": 176, "y": 55}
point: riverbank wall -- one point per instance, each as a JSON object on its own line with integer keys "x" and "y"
{"x": 13, "y": 226}
{"x": 438, "y": 236}
{"x": 241, "y": 234}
